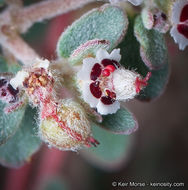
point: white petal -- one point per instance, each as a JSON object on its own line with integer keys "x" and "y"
{"x": 176, "y": 10}
{"x": 115, "y": 55}
{"x": 179, "y": 38}
{"x": 84, "y": 73}
{"x": 102, "y": 54}
{"x": 136, "y": 2}
{"x": 19, "y": 79}
{"x": 108, "y": 109}
{"x": 88, "y": 97}
{"x": 40, "y": 63}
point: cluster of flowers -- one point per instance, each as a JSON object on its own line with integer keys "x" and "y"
{"x": 101, "y": 80}
{"x": 175, "y": 18}
{"x": 63, "y": 122}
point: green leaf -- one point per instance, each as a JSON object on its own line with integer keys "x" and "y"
{"x": 122, "y": 122}
{"x": 157, "y": 84}
{"x": 111, "y": 151}
{"x": 55, "y": 183}
{"x": 23, "y": 144}
{"x": 107, "y": 22}
{"x": 9, "y": 123}
{"x": 3, "y": 65}
{"x": 153, "y": 49}
{"x": 130, "y": 55}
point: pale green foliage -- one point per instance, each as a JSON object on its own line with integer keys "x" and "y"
{"x": 23, "y": 144}
{"x": 107, "y": 23}
{"x": 153, "y": 48}
{"x": 122, "y": 122}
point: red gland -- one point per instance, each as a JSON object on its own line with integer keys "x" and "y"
{"x": 111, "y": 68}
{"x": 106, "y": 73}
{"x": 91, "y": 140}
{"x": 140, "y": 83}
{"x": 108, "y": 70}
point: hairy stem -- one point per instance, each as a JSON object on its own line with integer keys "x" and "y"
{"x": 18, "y": 47}
{"x": 26, "y": 17}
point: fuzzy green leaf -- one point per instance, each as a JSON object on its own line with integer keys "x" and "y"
{"x": 23, "y": 144}
{"x": 107, "y": 22}
{"x": 130, "y": 55}
{"x": 122, "y": 122}
{"x": 111, "y": 151}
{"x": 153, "y": 49}
{"x": 9, "y": 123}
{"x": 3, "y": 65}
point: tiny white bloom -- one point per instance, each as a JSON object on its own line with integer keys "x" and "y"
{"x": 40, "y": 63}
{"x": 18, "y": 80}
{"x": 134, "y": 2}
{"x": 103, "y": 82}
{"x": 179, "y": 20}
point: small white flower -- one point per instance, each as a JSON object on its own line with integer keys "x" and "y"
{"x": 179, "y": 19}
{"x": 40, "y": 63}
{"x": 20, "y": 77}
{"x": 18, "y": 80}
{"x": 134, "y": 2}
{"x": 103, "y": 82}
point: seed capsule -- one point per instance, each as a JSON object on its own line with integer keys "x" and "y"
{"x": 67, "y": 128}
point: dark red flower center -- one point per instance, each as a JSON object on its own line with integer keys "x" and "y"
{"x": 95, "y": 72}
{"x": 2, "y": 82}
{"x": 106, "y": 62}
{"x": 107, "y": 100}
{"x": 95, "y": 89}
{"x": 183, "y": 29}
{"x": 184, "y": 14}
{"x": 12, "y": 91}
{"x": 109, "y": 67}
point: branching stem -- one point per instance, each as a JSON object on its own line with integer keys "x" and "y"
{"x": 17, "y": 20}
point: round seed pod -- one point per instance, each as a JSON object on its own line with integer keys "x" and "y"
{"x": 68, "y": 128}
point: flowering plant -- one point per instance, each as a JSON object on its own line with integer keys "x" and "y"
{"x": 110, "y": 55}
